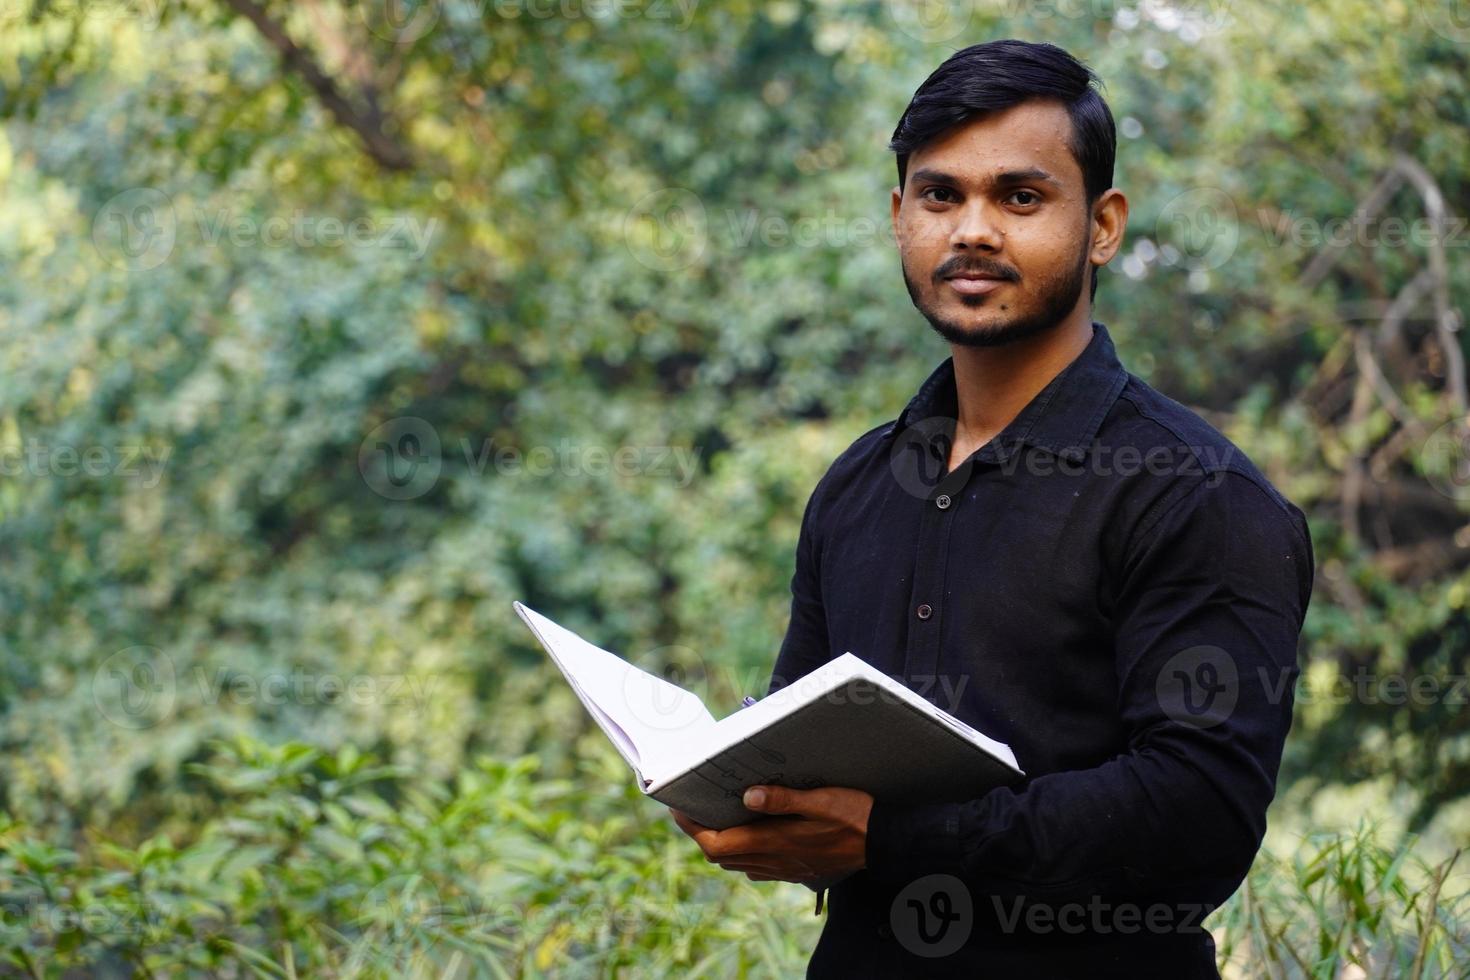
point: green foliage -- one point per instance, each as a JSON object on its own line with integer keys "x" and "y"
{"x": 1346, "y": 902}
{"x": 322, "y": 864}
{"x": 578, "y": 235}
{"x": 333, "y": 864}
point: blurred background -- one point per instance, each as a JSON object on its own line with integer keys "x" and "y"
{"x": 329, "y": 329}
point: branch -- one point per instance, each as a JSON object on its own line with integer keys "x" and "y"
{"x": 1324, "y": 260}
{"x": 1425, "y": 560}
{"x": 1352, "y": 478}
{"x": 366, "y": 122}
{"x": 1446, "y": 319}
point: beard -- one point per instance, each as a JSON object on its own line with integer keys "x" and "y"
{"x": 1055, "y": 301}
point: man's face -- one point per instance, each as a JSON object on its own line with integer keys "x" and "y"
{"x": 993, "y": 228}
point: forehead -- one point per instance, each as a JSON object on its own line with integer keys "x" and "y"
{"x": 1035, "y": 133}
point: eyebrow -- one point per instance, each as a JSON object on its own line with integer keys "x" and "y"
{"x": 1003, "y": 179}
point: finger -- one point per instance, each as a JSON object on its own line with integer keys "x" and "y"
{"x": 773, "y": 836}
{"x": 689, "y": 825}
{"x": 783, "y": 799}
{"x": 761, "y": 869}
{"x": 685, "y": 820}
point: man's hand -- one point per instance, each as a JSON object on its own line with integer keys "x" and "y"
{"x": 824, "y": 833}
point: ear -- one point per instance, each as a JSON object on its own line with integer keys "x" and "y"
{"x": 1109, "y": 218}
{"x": 897, "y": 200}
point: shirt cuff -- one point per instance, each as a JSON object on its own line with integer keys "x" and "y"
{"x": 905, "y": 842}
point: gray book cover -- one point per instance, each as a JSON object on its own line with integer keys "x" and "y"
{"x": 844, "y": 724}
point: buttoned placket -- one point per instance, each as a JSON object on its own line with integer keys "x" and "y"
{"x": 929, "y": 596}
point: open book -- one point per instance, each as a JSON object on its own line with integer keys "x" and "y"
{"x": 844, "y": 724}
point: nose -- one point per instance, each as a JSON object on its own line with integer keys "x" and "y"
{"x": 976, "y": 228}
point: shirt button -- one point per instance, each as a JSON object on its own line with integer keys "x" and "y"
{"x": 885, "y": 931}
{"x": 942, "y": 501}
{"x": 925, "y": 611}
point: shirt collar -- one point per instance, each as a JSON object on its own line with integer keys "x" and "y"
{"x": 1063, "y": 418}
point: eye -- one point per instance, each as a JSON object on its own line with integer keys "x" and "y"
{"x": 936, "y": 189}
{"x": 1025, "y": 204}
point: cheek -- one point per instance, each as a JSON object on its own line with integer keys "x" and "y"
{"x": 920, "y": 236}
{"x": 1044, "y": 256}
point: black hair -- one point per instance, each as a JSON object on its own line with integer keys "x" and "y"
{"x": 1000, "y": 74}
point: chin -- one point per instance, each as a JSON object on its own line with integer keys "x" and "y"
{"x": 989, "y": 321}
{"x": 991, "y": 328}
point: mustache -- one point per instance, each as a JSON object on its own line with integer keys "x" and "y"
{"x": 969, "y": 267}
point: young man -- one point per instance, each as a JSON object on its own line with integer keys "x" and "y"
{"x": 1058, "y": 555}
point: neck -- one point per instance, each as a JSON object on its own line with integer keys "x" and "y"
{"x": 993, "y": 384}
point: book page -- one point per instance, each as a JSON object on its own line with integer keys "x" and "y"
{"x": 634, "y": 707}
{"x": 739, "y": 727}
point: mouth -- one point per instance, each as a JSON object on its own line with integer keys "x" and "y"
{"x": 967, "y": 285}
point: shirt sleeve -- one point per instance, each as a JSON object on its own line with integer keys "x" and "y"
{"x": 1208, "y": 610}
{"x": 806, "y": 646}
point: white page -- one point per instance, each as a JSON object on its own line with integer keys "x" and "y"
{"x": 649, "y": 716}
{"x": 737, "y": 727}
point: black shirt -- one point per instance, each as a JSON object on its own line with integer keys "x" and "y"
{"x": 1112, "y": 588}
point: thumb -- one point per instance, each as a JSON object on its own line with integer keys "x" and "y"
{"x": 776, "y": 799}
